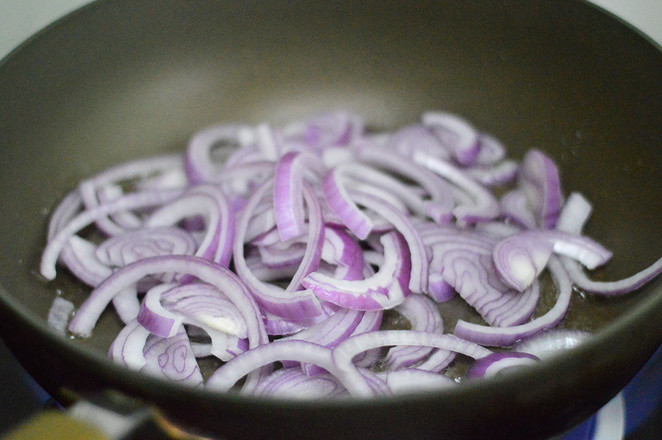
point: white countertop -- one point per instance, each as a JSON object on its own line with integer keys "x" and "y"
{"x": 21, "y": 18}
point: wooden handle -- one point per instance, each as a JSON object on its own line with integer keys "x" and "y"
{"x": 55, "y": 424}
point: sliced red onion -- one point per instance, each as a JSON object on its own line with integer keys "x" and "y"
{"x": 210, "y": 202}
{"x": 574, "y": 215}
{"x": 133, "y": 246}
{"x": 127, "y": 348}
{"x": 225, "y": 377}
{"x": 155, "y": 318}
{"x": 288, "y": 192}
{"x": 212, "y": 273}
{"x": 618, "y": 287}
{"x": 294, "y": 383}
{"x": 515, "y": 207}
{"x": 441, "y": 203}
{"x": 172, "y": 358}
{"x": 67, "y": 209}
{"x": 410, "y": 139}
{"x": 497, "y": 363}
{"x": 166, "y": 307}
{"x": 269, "y": 142}
{"x": 539, "y": 179}
{"x": 423, "y": 315}
{"x": 402, "y": 223}
{"x": 128, "y": 202}
{"x": 491, "y": 150}
{"x": 413, "y": 380}
{"x": 438, "y": 288}
{"x": 392, "y": 187}
{"x": 344, "y": 352}
{"x": 136, "y": 169}
{"x": 278, "y": 326}
{"x": 282, "y": 254}
{"x": 80, "y": 257}
{"x": 386, "y": 289}
{"x": 292, "y": 305}
{"x": 504, "y": 336}
{"x": 550, "y": 342}
{"x": 351, "y": 222}
{"x": 464, "y": 258}
{"x": 342, "y": 250}
{"x": 328, "y": 333}
{"x": 200, "y": 168}
{"x": 327, "y": 130}
{"x": 519, "y": 258}
{"x": 438, "y": 361}
{"x": 314, "y": 243}
{"x": 126, "y": 304}
{"x": 59, "y": 313}
{"x": 370, "y": 322}
{"x": 485, "y": 206}
{"x": 456, "y": 134}
{"x": 124, "y": 220}
{"x": 340, "y": 203}
{"x": 498, "y": 174}
{"x": 205, "y": 305}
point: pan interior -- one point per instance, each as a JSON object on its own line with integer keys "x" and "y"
{"x": 128, "y": 82}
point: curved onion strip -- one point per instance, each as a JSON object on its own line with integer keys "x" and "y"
{"x": 384, "y": 290}
{"x": 456, "y": 134}
{"x": 211, "y": 273}
{"x": 574, "y": 215}
{"x": 294, "y": 383}
{"x": 539, "y": 179}
{"x": 503, "y": 336}
{"x": 172, "y": 358}
{"x": 424, "y": 316}
{"x": 154, "y": 317}
{"x": 521, "y": 257}
{"x": 407, "y": 140}
{"x": 128, "y": 202}
{"x": 327, "y": 130}
{"x": 491, "y": 150}
{"x": 440, "y": 207}
{"x": 344, "y": 352}
{"x": 139, "y": 168}
{"x": 418, "y": 253}
{"x": 229, "y": 373}
{"x": 210, "y": 202}
{"x": 413, "y": 380}
{"x": 291, "y": 305}
{"x": 314, "y": 243}
{"x": 515, "y": 207}
{"x": 288, "y": 192}
{"x": 485, "y": 205}
{"x": 80, "y": 257}
{"x": 496, "y": 363}
{"x": 127, "y": 348}
{"x": 495, "y": 175}
{"x": 67, "y": 209}
{"x": 342, "y": 205}
{"x": 120, "y": 250}
{"x": 199, "y": 166}
{"x": 329, "y": 333}
{"x": 204, "y": 305}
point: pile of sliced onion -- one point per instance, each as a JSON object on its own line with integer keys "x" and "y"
{"x": 280, "y": 259}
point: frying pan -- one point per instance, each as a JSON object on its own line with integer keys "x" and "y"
{"x": 120, "y": 79}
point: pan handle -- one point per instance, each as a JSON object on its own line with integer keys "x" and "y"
{"x": 107, "y": 416}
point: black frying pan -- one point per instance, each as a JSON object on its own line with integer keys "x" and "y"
{"x": 122, "y": 79}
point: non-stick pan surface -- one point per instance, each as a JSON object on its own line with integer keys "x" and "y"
{"x": 121, "y": 79}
